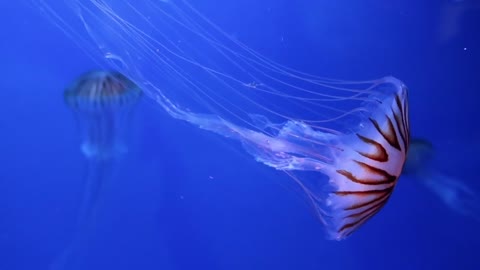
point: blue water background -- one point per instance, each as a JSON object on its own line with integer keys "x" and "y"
{"x": 187, "y": 199}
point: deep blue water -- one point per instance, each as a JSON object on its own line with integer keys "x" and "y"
{"x": 184, "y": 198}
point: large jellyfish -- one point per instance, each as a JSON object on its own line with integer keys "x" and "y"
{"x": 454, "y": 193}
{"x": 102, "y": 102}
{"x": 343, "y": 142}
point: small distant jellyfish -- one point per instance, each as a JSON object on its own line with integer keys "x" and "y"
{"x": 344, "y": 142}
{"x": 102, "y": 102}
{"x": 454, "y": 193}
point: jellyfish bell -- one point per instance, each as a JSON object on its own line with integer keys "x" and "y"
{"x": 102, "y": 102}
{"x": 354, "y": 133}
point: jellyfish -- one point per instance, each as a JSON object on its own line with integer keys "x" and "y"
{"x": 344, "y": 142}
{"x": 454, "y": 193}
{"x": 102, "y": 102}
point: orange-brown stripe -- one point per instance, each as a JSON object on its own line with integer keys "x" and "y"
{"x": 360, "y": 221}
{"x": 380, "y": 154}
{"x": 363, "y": 192}
{"x": 403, "y": 107}
{"x": 390, "y": 135}
{"x": 386, "y": 178}
{"x": 363, "y": 204}
{"x": 376, "y": 205}
{"x": 400, "y": 127}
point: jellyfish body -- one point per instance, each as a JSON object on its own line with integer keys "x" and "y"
{"x": 454, "y": 193}
{"x": 362, "y": 166}
{"x": 352, "y": 135}
{"x": 102, "y": 102}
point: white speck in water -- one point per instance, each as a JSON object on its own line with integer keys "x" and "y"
{"x": 465, "y": 48}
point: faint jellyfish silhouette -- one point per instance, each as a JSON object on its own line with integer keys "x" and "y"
{"x": 102, "y": 102}
{"x": 452, "y": 16}
{"x": 454, "y": 193}
{"x": 343, "y": 142}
